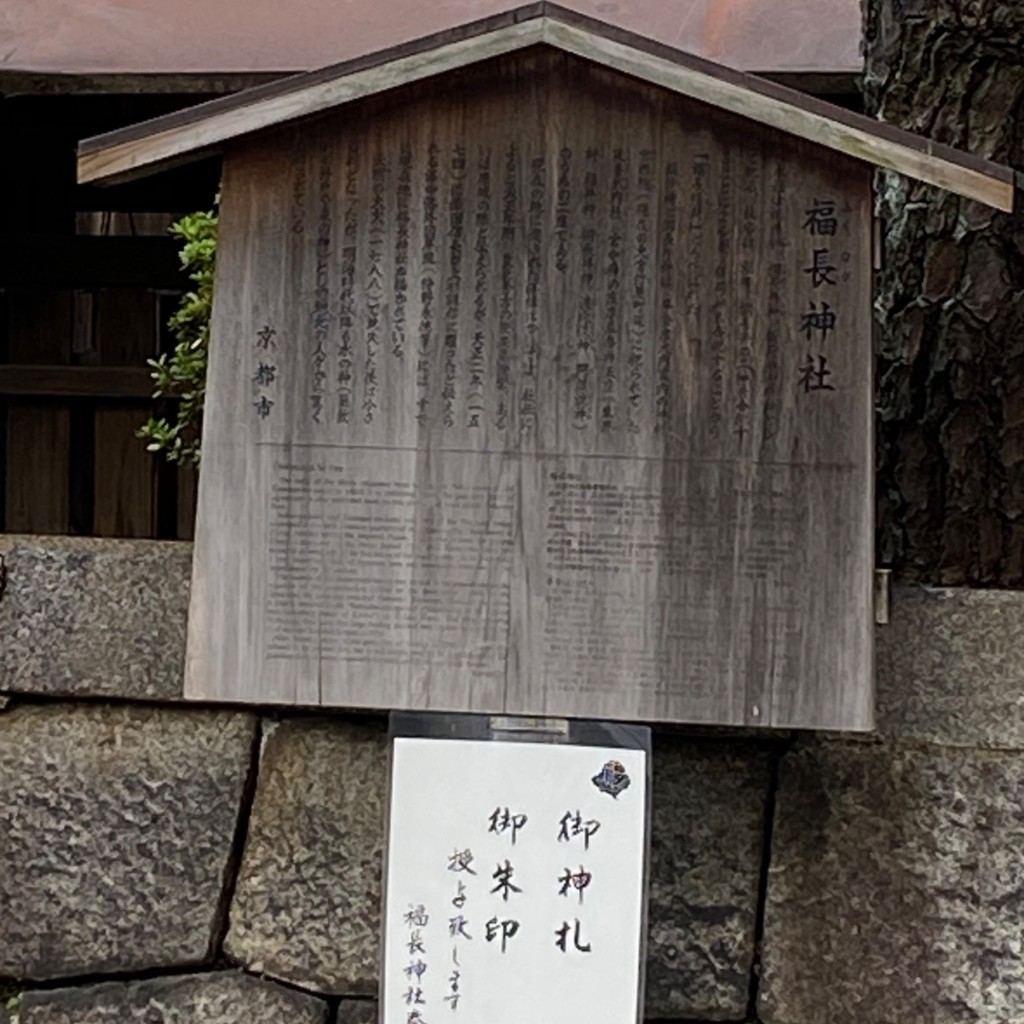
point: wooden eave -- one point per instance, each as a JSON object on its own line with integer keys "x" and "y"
{"x": 185, "y": 135}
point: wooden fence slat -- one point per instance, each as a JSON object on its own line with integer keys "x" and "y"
{"x": 38, "y": 432}
{"x": 125, "y": 476}
{"x": 188, "y": 483}
{"x": 37, "y": 468}
{"x": 40, "y": 325}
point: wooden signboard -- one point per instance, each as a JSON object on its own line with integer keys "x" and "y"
{"x": 515, "y": 883}
{"x": 540, "y": 390}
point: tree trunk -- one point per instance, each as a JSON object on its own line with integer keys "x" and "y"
{"x": 950, "y": 310}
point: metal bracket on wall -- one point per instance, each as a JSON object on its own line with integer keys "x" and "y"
{"x": 883, "y": 586}
{"x": 528, "y": 729}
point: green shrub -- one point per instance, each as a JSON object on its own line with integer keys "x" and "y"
{"x": 182, "y": 374}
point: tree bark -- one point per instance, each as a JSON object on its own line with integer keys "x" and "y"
{"x": 950, "y": 298}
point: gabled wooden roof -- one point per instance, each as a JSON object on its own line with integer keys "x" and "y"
{"x": 191, "y": 133}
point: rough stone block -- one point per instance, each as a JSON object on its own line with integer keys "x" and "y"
{"x": 86, "y": 617}
{"x": 357, "y": 1011}
{"x": 895, "y": 887}
{"x": 306, "y": 906}
{"x": 950, "y": 667}
{"x": 116, "y": 834}
{"x": 708, "y": 808}
{"x": 221, "y": 998}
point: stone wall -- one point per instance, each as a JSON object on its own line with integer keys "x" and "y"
{"x": 163, "y": 861}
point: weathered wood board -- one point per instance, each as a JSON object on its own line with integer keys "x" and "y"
{"x": 37, "y": 432}
{"x": 540, "y": 391}
{"x": 125, "y": 472}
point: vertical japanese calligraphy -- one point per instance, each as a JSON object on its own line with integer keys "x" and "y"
{"x": 507, "y": 307}
{"x": 321, "y": 318}
{"x": 529, "y": 364}
{"x": 415, "y": 919}
{"x": 745, "y": 371}
{"x": 721, "y": 295}
{"x": 563, "y": 223}
{"x": 428, "y": 286}
{"x": 564, "y": 405}
{"x": 453, "y": 283}
{"x": 820, "y": 319}
{"x": 542, "y": 885}
{"x": 777, "y": 330}
{"x": 347, "y": 326}
{"x": 400, "y": 284}
{"x": 586, "y": 314}
{"x": 640, "y": 288}
{"x": 264, "y": 371}
{"x": 298, "y": 217}
{"x": 666, "y": 308}
{"x": 476, "y": 406}
{"x": 611, "y": 340}
{"x": 374, "y": 287}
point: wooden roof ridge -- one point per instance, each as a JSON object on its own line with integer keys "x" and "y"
{"x": 152, "y": 145}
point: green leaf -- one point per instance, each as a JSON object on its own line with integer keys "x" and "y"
{"x": 182, "y": 374}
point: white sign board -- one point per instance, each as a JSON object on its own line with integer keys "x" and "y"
{"x": 515, "y": 883}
